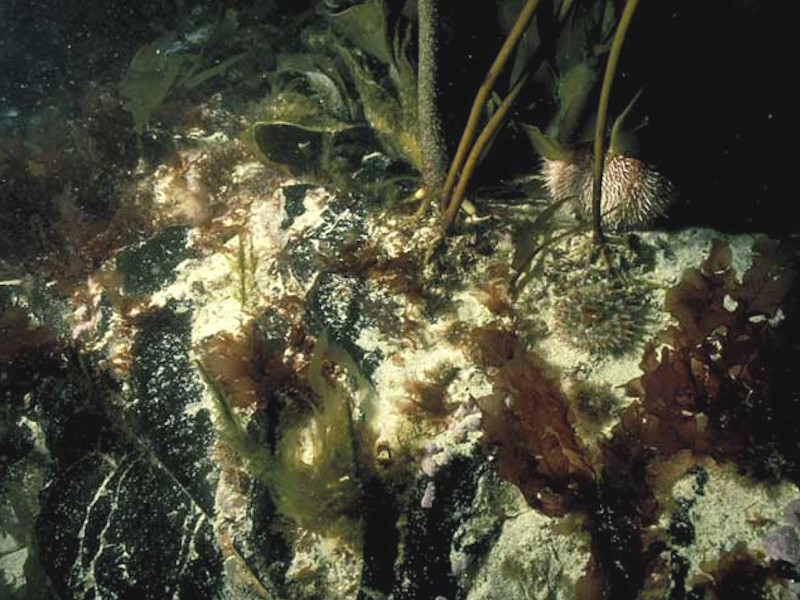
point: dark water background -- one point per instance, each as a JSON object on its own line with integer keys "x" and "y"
{"x": 711, "y": 71}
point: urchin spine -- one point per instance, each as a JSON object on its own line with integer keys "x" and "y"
{"x": 634, "y": 193}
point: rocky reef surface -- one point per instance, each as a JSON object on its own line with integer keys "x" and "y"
{"x": 288, "y": 400}
{"x": 227, "y": 373}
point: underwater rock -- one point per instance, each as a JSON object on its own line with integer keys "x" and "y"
{"x": 419, "y": 509}
{"x": 505, "y": 548}
{"x": 293, "y": 195}
{"x": 530, "y": 560}
{"x": 783, "y": 544}
{"x": 99, "y": 203}
{"x": 274, "y": 387}
{"x": 716, "y": 512}
{"x": 239, "y": 359}
{"x": 436, "y": 518}
{"x": 97, "y": 479}
{"x": 109, "y": 502}
{"x": 165, "y": 398}
{"x": 319, "y": 234}
{"x": 334, "y": 303}
{"x": 24, "y": 464}
{"x": 427, "y": 530}
{"x": 148, "y": 266}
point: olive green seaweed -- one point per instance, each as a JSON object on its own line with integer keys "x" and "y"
{"x": 149, "y": 78}
{"x": 319, "y": 74}
{"x": 302, "y": 150}
{"x": 312, "y": 475}
{"x": 198, "y": 77}
{"x": 574, "y": 90}
{"x": 314, "y": 480}
{"x": 310, "y": 104}
{"x": 391, "y": 110}
{"x": 622, "y": 141}
{"x": 545, "y": 146}
{"x": 364, "y": 25}
{"x": 507, "y": 11}
{"x": 231, "y": 428}
{"x": 295, "y": 127}
{"x": 157, "y": 70}
{"x": 245, "y": 268}
{"x": 533, "y": 241}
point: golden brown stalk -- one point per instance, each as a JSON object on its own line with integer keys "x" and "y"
{"x": 477, "y": 150}
{"x": 602, "y": 115}
{"x": 521, "y": 24}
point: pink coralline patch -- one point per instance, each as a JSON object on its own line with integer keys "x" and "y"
{"x": 428, "y": 466}
{"x": 428, "y": 496}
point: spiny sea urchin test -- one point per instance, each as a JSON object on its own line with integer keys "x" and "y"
{"x": 634, "y": 193}
{"x": 563, "y": 178}
{"x": 603, "y": 317}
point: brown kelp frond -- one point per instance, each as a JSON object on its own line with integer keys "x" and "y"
{"x": 528, "y": 427}
{"x": 427, "y": 396}
{"x": 716, "y": 389}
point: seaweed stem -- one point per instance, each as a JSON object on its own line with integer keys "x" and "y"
{"x": 602, "y": 116}
{"x": 242, "y": 265}
{"x": 430, "y": 126}
{"x": 470, "y": 131}
{"x": 475, "y": 154}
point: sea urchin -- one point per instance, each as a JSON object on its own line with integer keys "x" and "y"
{"x": 603, "y": 317}
{"x": 634, "y": 193}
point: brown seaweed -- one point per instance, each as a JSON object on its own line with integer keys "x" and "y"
{"x": 714, "y": 390}
{"x": 251, "y": 369}
{"x": 717, "y": 390}
{"x": 528, "y": 427}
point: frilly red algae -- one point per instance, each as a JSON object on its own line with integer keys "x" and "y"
{"x": 710, "y": 298}
{"x": 736, "y": 575}
{"x": 428, "y": 398}
{"x": 248, "y": 367}
{"x": 709, "y": 392}
{"x": 669, "y": 417}
{"x": 698, "y": 301}
{"x": 528, "y": 426}
{"x": 713, "y": 391}
{"x": 20, "y": 337}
